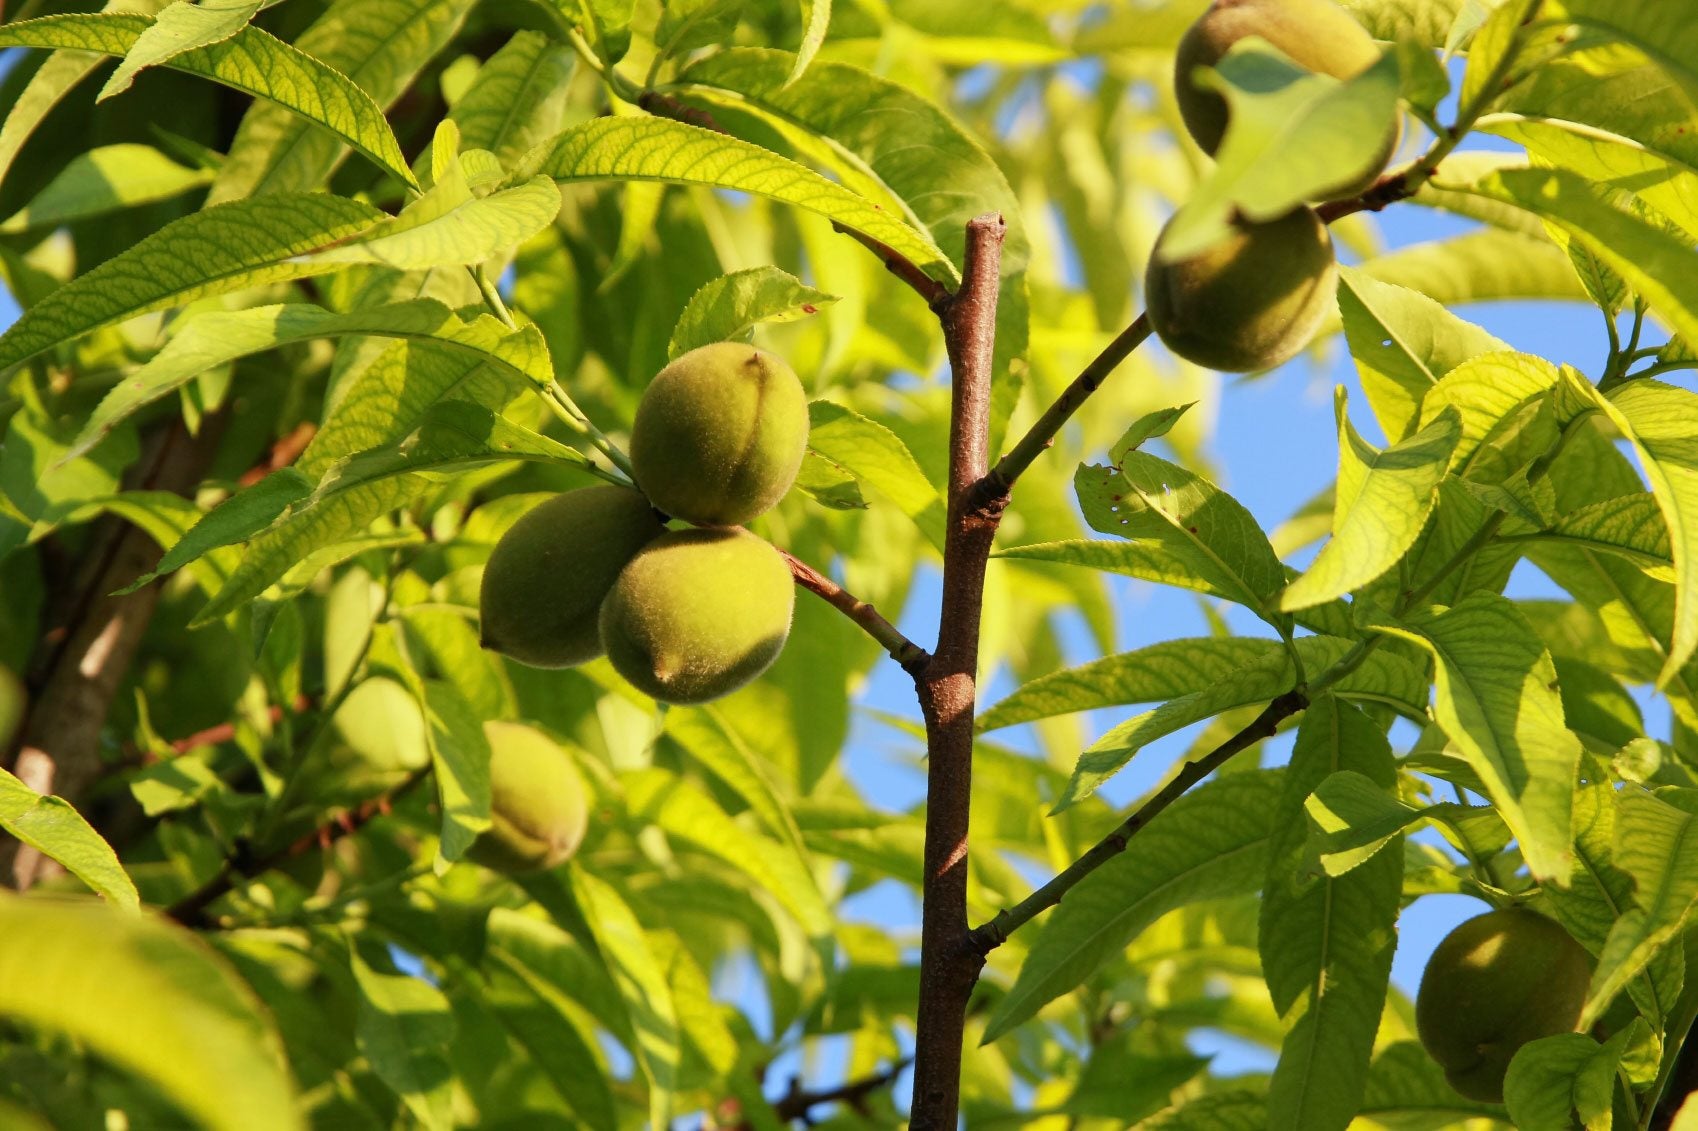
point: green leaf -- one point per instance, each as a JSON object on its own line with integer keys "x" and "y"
{"x": 1661, "y": 423}
{"x": 150, "y": 998}
{"x": 716, "y": 746}
{"x": 1487, "y": 392}
{"x": 1483, "y": 265}
{"x": 1216, "y": 1111}
{"x": 662, "y": 800}
{"x": 216, "y": 337}
{"x": 728, "y": 308}
{"x": 1656, "y": 844}
{"x": 182, "y": 26}
{"x": 232, "y": 247}
{"x": 816, "y": 19}
{"x": 405, "y": 1028}
{"x": 610, "y": 20}
{"x": 1668, "y": 34}
{"x": 1407, "y": 1088}
{"x": 1212, "y": 842}
{"x": 518, "y": 98}
{"x": 380, "y": 46}
{"x": 104, "y": 179}
{"x": 53, "y": 827}
{"x": 1292, "y": 136}
{"x": 1656, "y": 264}
{"x": 1554, "y": 1079}
{"x": 1146, "y": 561}
{"x": 1146, "y": 427}
{"x": 1403, "y": 343}
{"x": 1382, "y": 503}
{"x": 1497, "y": 701}
{"x": 449, "y": 227}
{"x": 1190, "y": 519}
{"x": 251, "y": 61}
{"x": 1628, "y": 526}
{"x": 658, "y": 149}
{"x": 459, "y": 755}
{"x": 877, "y": 457}
{"x": 358, "y": 488}
{"x": 1426, "y": 22}
{"x": 642, "y": 986}
{"x": 1326, "y": 942}
{"x": 236, "y": 519}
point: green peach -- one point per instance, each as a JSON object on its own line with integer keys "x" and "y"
{"x": 698, "y": 614}
{"x": 539, "y": 805}
{"x": 1318, "y": 35}
{"x": 719, "y": 434}
{"x": 547, "y": 576}
{"x": 1496, "y": 982}
{"x": 1251, "y": 302}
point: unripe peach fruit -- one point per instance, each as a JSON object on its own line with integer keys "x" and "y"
{"x": 539, "y": 807}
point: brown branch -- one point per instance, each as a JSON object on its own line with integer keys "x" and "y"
{"x": 83, "y": 660}
{"x": 993, "y": 934}
{"x": 798, "y": 1102}
{"x": 937, "y": 295}
{"x": 239, "y": 867}
{"x": 910, "y": 655}
{"x": 948, "y": 965}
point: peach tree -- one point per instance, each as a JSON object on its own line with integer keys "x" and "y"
{"x": 422, "y": 415}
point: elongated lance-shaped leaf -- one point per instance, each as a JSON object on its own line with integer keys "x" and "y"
{"x": 658, "y": 149}
{"x": 1146, "y": 561}
{"x": 1194, "y": 521}
{"x": 642, "y": 986}
{"x": 816, "y": 18}
{"x": 221, "y": 336}
{"x": 1656, "y": 843}
{"x": 238, "y": 245}
{"x": 104, "y": 179}
{"x": 459, "y": 749}
{"x": 1668, "y": 33}
{"x": 1213, "y": 842}
{"x": 729, "y": 307}
{"x": 1480, "y": 265}
{"x": 54, "y": 828}
{"x": 1406, "y": 1087}
{"x": 449, "y": 227}
{"x": 380, "y": 46}
{"x": 1351, "y": 820}
{"x": 1381, "y": 505}
{"x": 252, "y": 61}
{"x": 1629, "y": 526}
{"x": 150, "y": 998}
{"x": 1497, "y": 701}
{"x": 236, "y": 519}
{"x": 1292, "y": 136}
{"x": 1403, "y": 343}
{"x": 899, "y": 147}
{"x": 405, "y": 1027}
{"x": 178, "y": 28}
{"x": 1327, "y": 941}
{"x": 877, "y": 457}
{"x": 359, "y": 488}
{"x": 1655, "y": 263}
{"x": 1392, "y": 683}
{"x": 1661, "y": 423}
{"x": 518, "y": 98}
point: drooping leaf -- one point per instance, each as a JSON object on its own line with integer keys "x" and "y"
{"x": 1381, "y": 505}
{"x": 451, "y": 228}
{"x": 103, "y": 179}
{"x": 238, "y": 245}
{"x": 404, "y": 1027}
{"x": 150, "y": 998}
{"x": 518, "y": 97}
{"x": 181, "y": 27}
{"x": 1481, "y": 265}
{"x": 380, "y": 45}
{"x": 236, "y": 519}
{"x": 1212, "y": 842}
{"x": 877, "y": 457}
{"x": 51, "y": 826}
{"x": 658, "y": 149}
{"x": 729, "y": 307}
{"x": 1554, "y": 1079}
{"x": 642, "y": 986}
{"x": 1327, "y": 942}
{"x": 1497, "y": 701}
{"x": 220, "y": 336}
{"x": 306, "y": 90}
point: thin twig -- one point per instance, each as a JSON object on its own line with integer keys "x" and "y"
{"x": 993, "y": 934}
{"x": 1042, "y": 434}
{"x": 910, "y": 655}
{"x": 935, "y": 293}
{"x": 239, "y": 867}
{"x": 798, "y": 1102}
